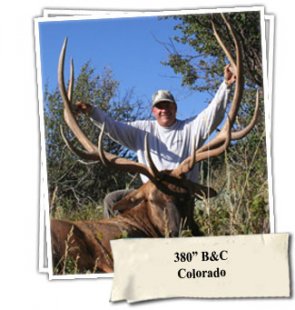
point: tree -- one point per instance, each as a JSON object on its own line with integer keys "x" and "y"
{"x": 72, "y": 184}
{"x": 201, "y": 70}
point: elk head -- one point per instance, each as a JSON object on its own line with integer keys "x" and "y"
{"x": 167, "y": 191}
{"x": 169, "y": 207}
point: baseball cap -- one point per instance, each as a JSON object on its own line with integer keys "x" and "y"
{"x": 162, "y": 95}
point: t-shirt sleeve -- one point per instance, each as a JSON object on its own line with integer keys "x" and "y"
{"x": 127, "y": 134}
{"x": 208, "y": 120}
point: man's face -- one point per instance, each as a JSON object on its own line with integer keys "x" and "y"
{"x": 165, "y": 113}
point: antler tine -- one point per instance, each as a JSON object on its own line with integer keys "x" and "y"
{"x": 149, "y": 159}
{"x": 222, "y": 146}
{"x": 239, "y": 74}
{"x": 80, "y": 153}
{"x": 238, "y": 67}
{"x": 71, "y": 83}
{"x": 192, "y": 161}
{"x": 68, "y": 115}
{"x": 151, "y": 173}
{"x": 206, "y": 153}
{"x": 100, "y": 150}
{"x": 225, "y": 49}
{"x": 243, "y": 132}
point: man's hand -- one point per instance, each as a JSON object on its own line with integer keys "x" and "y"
{"x": 229, "y": 75}
{"x": 83, "y": 107}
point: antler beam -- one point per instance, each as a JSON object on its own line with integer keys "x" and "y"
{"x": 221, "y": 141}
{"x": 91, "y": 151}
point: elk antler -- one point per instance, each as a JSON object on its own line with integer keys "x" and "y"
{"x": 91, "y": 152}
{"x": 221, "y": 141}
{"x": 96, "y": 153}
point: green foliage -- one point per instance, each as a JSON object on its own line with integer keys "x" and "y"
{"x": 241, "y": 206}
{"x": 75, "y": 189}
{"x": 201, "y": 69}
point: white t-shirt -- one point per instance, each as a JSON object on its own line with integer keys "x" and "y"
{"x": 169, "y": 146}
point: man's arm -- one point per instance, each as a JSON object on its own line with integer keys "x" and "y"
{"x": 208, "y": 120}
{"x": 120, "y": 132}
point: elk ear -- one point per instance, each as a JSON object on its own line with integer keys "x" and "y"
{"x": 129, "y": 201}
{"x": 204, "y": 191}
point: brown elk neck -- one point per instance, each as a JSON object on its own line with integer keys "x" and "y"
{"x": 132, "y": 223}
{"x": 93, "y": 237}
{"x": 135, "y": 222}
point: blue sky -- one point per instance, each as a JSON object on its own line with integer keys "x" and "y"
{"x": 128, "y": 46}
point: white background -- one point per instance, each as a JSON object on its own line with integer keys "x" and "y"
{"x": 22, "y": 286}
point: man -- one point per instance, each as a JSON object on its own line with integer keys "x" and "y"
{"x": 170, "y": 139}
